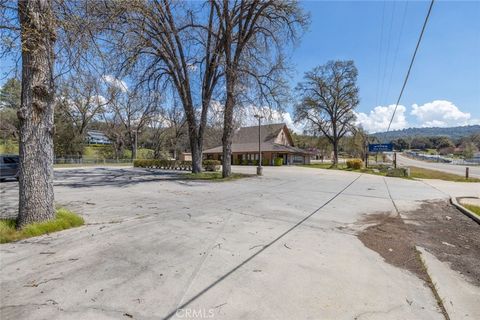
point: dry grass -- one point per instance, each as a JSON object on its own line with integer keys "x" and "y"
{"x": 421, "y": 173}
{"x": 342, "y": 166}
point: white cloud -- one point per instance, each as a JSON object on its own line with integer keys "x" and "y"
{"x": 192, "y": 67}
{"x": 440, "y": 113}
{"x": 378, "y": 119}
{"x": 100, "y": 100}
{"x": 117, "y": 83}
{"x": 247, "y": 117}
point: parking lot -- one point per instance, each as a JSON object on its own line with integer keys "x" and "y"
{"x": 158, "y": 246}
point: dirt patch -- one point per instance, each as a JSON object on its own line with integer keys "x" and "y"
{"x": 436, "y": 226}
{"x": 449, "y": 235}
{"x": 392, "y": 239}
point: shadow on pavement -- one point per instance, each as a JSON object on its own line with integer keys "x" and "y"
{"x": 98, "y": 177}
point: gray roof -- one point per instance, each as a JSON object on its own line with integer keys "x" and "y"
{"x": 96, "y": 134}
{"x": 246, "y": 140}
{"x": 253, "y": 147}
{"x": 268, "y": 132}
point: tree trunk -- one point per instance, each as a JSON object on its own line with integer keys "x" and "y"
{"x": 195, "y": 148}
{"x": 196, "y": 159}
{"x": 134, "y": 145}
{"x": 36, "y": 199}
{"x": 335, "y": 153}
{"x": 228, "y": 132}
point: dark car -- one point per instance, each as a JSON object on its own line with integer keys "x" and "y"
{"x": 8, "y": 166}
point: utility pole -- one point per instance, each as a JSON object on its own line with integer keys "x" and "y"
{"x": 135, "y": 147}
{"x": 259, "y": 167}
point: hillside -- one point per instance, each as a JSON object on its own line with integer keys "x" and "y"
{"x": 452, "y": 132}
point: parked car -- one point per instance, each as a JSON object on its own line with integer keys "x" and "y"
{"x": 8, "y": 166}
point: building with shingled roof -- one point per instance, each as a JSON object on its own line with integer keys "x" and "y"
{"x": 275, "y": 140}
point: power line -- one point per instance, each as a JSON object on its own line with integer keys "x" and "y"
{"x": 411, "y": 63}
{"x": 380, "y": 56}
{"x": 387, "y": 93}
{"x": 387, "y": 54}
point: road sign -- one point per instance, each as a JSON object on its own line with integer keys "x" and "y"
{"x": 380, "y": 147}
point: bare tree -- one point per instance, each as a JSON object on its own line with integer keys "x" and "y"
{"x": 171, "y": 44}
{"x": 252, "y": 34}
{"x": 10, "y": 98}
{"x": 132, "y": 110}
{"x": 169, "y": 131}
{"x": 82, "y": 101}
{"x": 36, "y": 111}
{"x": 328, "y": 96}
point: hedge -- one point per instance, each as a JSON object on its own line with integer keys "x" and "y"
{"x": 209, "y": 165}
{"x": 163, "y": 164}
{"x": 355, "y": 164}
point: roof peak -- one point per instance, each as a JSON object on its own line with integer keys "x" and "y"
{"x": 266, "y": 125}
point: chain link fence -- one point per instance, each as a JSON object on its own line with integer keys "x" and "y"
{"x": 89, "y": 160}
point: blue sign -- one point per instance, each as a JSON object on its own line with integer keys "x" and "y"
{"x": 380, "y": 147}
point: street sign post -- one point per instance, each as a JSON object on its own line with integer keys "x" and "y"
{"x": 380, "y": 147}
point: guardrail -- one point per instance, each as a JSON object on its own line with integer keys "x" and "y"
{"x": 440, "y": 159}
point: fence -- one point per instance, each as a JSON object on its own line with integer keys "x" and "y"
{"x": 89, "y": 160}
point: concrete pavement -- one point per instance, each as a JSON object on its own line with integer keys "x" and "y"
{"x": 281, "y": 246}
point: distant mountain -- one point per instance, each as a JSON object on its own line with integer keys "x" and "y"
{"x": 452, "y": 132}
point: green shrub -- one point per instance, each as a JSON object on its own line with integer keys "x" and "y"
{"x": 255, "y": 162}
{"x": 244, "y": 162}
{"x": 355, "y": 164}
{"x": 211, "y": 165}
{"x": 278, "y": 162}
{"x": 162, "y": 164}
{"x": 211, "y": 162}
{"x": 236, "y": 162}
{"x": 265, "y": 162}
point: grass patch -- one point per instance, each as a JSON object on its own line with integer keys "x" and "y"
{"x": 324, "y": 166}
{"x": 474, "y": 209}
{"x": 421, "y": 173}
{"x": 64, "y": 219}
{"x": 343, "y": 167}
{"x": 415, "y": 172}
{"x": 215, "y": 176}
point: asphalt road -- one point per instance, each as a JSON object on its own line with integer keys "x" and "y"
{"x": 155, "y": 246}
{"x": 445, "y": 167}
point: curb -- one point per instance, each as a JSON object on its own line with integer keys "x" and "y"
{"x": 467, "y": 212}
{"x": 456, "y": 297}
{"x": 444, "y": 307}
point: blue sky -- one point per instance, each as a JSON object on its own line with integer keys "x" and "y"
{"x": 444, "y": 86}
{"x": 380, "y": 36}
